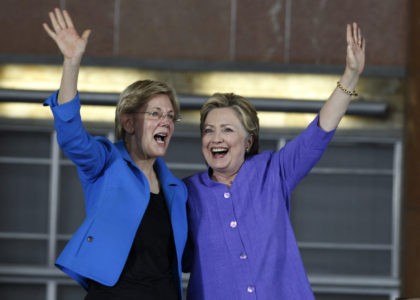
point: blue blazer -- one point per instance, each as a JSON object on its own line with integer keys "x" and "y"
{"x": 116, "y": 197}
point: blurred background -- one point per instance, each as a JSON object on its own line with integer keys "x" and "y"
{"x": 356, "y": 216}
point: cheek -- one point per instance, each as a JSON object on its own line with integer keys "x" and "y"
{"x": 171, "y": 130}
{"x": 204, "y": 143}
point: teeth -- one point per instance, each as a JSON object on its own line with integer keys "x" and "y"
{"x": 160, "y": 137}
{"x": 217, "y": 150}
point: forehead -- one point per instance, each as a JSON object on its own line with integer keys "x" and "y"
{"x": 160, "y": 102}
{"x": 222, "y": 116}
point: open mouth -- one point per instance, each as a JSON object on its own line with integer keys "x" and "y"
{"x": 160, "y": 137}
{"x": 219, "y": 152}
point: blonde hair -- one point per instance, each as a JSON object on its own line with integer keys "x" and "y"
{"x": 244, "y": 109}
{"x": 138, "y": 94}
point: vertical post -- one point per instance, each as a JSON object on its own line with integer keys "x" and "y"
{"x": 53, "y": 201}
{"x": 411, "y": 208}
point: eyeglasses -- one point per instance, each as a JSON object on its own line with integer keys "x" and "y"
{"x": 159, "y": 115}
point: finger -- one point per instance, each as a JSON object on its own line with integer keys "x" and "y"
{"x": 60, "y": 18}
{"x": 363, "y": 44}
{"x": 349, "y": 35}
{"x": 67, "y": 19}
{"x": 54, "y": 22}
{"x": 86, "y": 34}
{"x": 359, "y": 37}
{"x": 355, "y": 33}
{"x": 49, "y": 31}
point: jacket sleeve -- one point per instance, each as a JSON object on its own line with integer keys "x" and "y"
{"x": 299, "y": 156}
{"x": 89, "y": 153}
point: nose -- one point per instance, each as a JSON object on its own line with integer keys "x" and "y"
{"x": 217, "y": 137}
{"x": 165, "y": 117}
{"x": 164, "y": 120}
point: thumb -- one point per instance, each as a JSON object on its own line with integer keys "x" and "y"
{"x": 86, "y": 34}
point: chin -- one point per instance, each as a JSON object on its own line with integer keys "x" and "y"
{"x": 161, "y": 153}
{"x": 217, "y": 166}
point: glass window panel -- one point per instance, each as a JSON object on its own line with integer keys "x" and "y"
{"x": 15, "y": 291}
{"x": 346, "y": 262}
{"x": 343, "y": 209}
{"x": 24, "y": 198}
{"x": 25, "y": 144}
{"x": 358, "y": 155}
{"x": 70, "y": 292}
{"x": 185, "y": 173}
{"x": 71, "y": 207}
{"x": 20, "y": 252}
{"x": 266, "y": 144}
{"x": 184, "y": 149}
{"x": 61, "y": 245}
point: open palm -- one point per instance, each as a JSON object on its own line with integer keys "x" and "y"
{"x": 355, "y": 60}
{"x": 70, "y": 43}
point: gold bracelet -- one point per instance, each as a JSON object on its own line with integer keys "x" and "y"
{"x": 348, "y": 92}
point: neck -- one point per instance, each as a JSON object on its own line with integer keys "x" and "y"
{"x": 226, "y": 179}
{"x": 152, "y": 178}
{"x": 146, "y": 166}
{"x": 137, "y": 153}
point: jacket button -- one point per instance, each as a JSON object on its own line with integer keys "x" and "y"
{"x": 89, "y": 238}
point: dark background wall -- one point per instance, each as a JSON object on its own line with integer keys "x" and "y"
{"x": 231, "y": 31}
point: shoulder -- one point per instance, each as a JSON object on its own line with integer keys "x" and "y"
{"x": 195, "y": 178}
{"x": 262, "y": 158}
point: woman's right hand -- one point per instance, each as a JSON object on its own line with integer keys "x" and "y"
{"x": 70, "y": 43}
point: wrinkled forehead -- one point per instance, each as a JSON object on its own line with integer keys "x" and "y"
{"x": 160, "y": 102}
{"x": 222, "y": 118}
{"x": 222, "y": 115}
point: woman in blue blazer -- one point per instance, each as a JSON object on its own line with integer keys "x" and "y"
{"x": 130, "y": 244}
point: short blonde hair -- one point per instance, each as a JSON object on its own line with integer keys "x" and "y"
{"x": 244, "y": 109}
{"x": 138, "y": 94}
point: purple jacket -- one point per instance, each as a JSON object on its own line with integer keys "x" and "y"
{"x": 242, "y": 241}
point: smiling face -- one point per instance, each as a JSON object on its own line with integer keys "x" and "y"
{"x": 148, "y": 136}
{"x": 224, "y": 141}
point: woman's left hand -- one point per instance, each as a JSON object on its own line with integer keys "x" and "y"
{"x": 355, "y": 60}
{"x": 62, "y": 31}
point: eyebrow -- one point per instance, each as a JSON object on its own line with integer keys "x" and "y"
{"x": 222, "y": 125}
{"x": 158, "y": 108}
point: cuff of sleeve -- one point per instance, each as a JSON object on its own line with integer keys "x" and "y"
{"x": 65, "y": 111}
{"x": 322, "y": 135}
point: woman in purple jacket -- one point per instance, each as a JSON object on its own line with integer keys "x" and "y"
{"x": 242, "y": 244}
{"x": 131, "y": 242}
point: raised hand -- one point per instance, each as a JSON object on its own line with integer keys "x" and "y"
{"x": 336, "y": 105}
{"x": 355, "y": 60}
{"x": 70, "y": 43}
{"x": 72, "y": 46}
